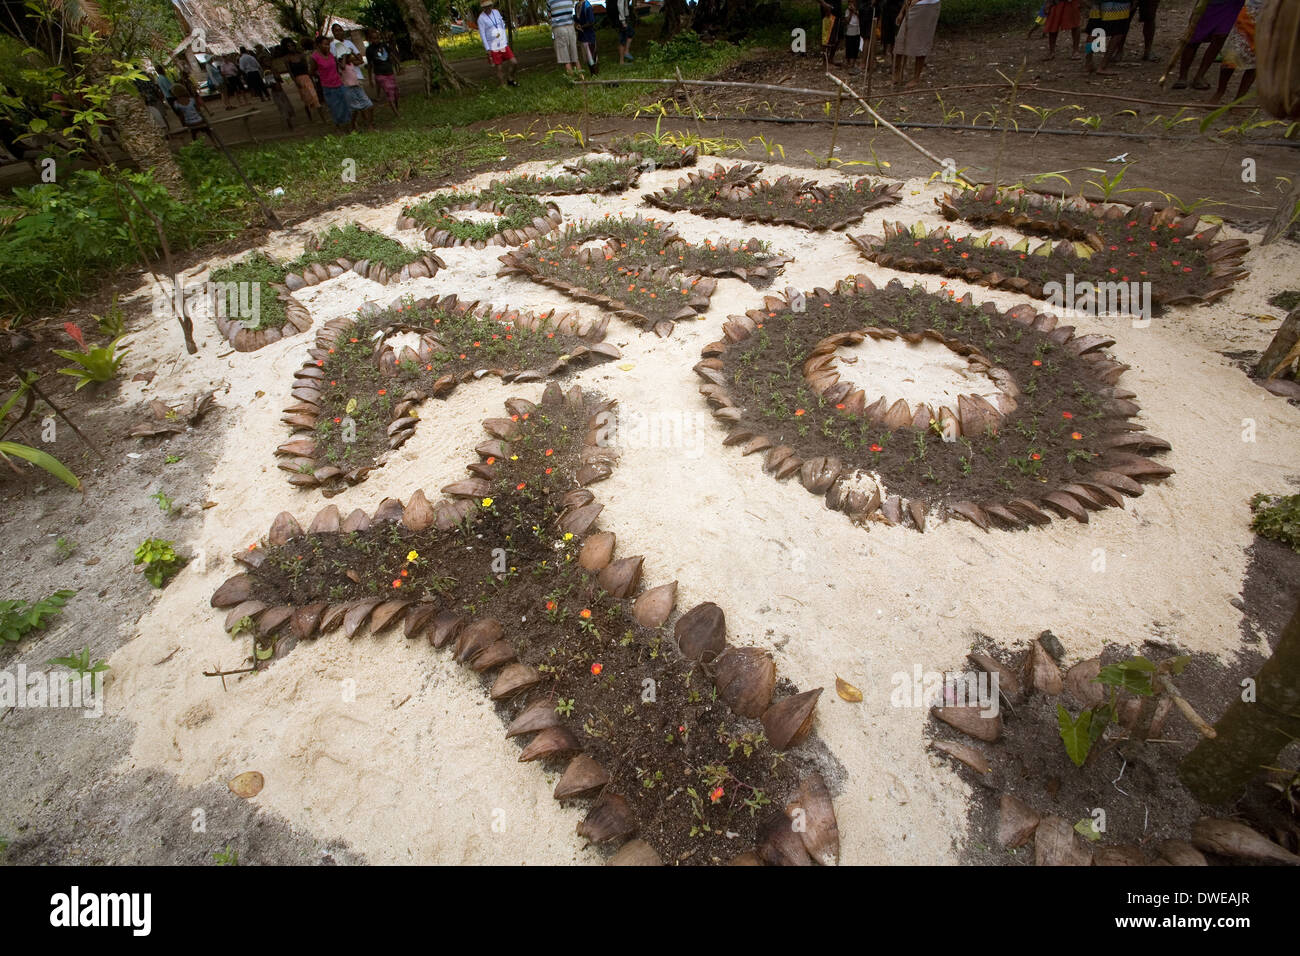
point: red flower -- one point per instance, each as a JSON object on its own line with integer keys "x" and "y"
{"x": 1076, "y": 436}
{"x": 715, "y": 794}
{"x": 521, "y": 486}
{"x": 585, "y": 613}
{"x": 397, "y": 583}
{"x": 550, "y": 605}
{"x": 876, "y": 448}
{"x": 596, "y": 668}
{"x": 1067, "y": 414}
{"x": 1035, "y": 456}
{"x": 74, "y": 333}
{"x": 549, "y": 452}
{"x": 383, "y": 391}
{"x": 1037, "y": 362}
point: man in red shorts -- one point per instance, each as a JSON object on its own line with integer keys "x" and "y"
{"x": 496, "y": 40}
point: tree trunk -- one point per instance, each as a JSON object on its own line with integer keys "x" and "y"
{"x": 1281, "y": 352}
{"x": 674, "y": 14}
{"x": 425, "y": 40}
{"x": 1250, "y": 735}
{"x": 143, "y": 142}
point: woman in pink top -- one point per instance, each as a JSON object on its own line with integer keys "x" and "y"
{"x": 324, "y": 66}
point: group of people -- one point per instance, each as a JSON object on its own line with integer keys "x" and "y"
{"x": 1224, "y": 26}
{"x": 907, "y": 28}
{"x": 331, "y": 70}
{"x": 573, "y": 33}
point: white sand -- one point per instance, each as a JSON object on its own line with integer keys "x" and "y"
{"x": 413, "y": 768}
{"x": 927, "y": 372}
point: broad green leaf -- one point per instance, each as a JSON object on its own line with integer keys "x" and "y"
{"x": 41, "y": 460}
{"x": 1075, "y": 734}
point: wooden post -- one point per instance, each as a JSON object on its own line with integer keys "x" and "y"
{"x": 835, "y": 130}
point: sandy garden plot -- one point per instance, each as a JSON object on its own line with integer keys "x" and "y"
{"x": 379, "y": 742}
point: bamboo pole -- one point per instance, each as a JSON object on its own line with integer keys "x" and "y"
{"x": 895, "y": 130}
{"x": 1182, "y": 44}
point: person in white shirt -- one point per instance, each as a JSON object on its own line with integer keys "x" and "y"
{"x": 252, "y": 71}
{"x": 496, "y": 41}
{"x": 626, "y": 30}
{"x": 341, "y": 46}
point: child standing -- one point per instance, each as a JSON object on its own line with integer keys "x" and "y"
{"x": 1062, "y": 15}
{"x": 852, "y": 36}
{"x": 353, "y": 92}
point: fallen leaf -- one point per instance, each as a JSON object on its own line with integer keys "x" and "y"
{"x": 627, "y": 366}
{"x": 209, "y": 504}
{"x": 145, "y": 377}
{"x": 847, "y": 691}
{"x": 247, "y": 784}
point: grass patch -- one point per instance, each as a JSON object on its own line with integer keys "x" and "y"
{"x": 513, "y": 211}
{"x": 1277, "y": 517}
{"x": 355, "y": 243}
{"x": 257, "y": 269}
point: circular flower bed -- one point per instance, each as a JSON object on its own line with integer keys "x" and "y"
{"x": 516, "y": 218}
{"x": 1056, "y": 436}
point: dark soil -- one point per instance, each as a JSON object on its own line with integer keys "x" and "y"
{"x": 668, "y": 756}
{"x": 1034, "y": 451}
{"x": 1134, "y": 782}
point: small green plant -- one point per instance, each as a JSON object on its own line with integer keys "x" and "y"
{"x": 171, "y": 459}
{"x": 226, "y": 857}
{"x": 19, "y": 618}
{"x": 98, "y": 364}
{"x": 160, "y": 560}
{"x": 64, "y": 548}
{"x": 1277, "y": 517}
{"x": 80, "y": 665}
{"x": 163, "y": 501}
{"x": 1136, "y": 675}
{"x": 565, "y": 707}
{"x": 112, "y": 324}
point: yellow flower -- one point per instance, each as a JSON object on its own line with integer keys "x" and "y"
{"x": 487, "y": 502}
{"x": 568, "y": 536}
{"x": 411, "y": 556}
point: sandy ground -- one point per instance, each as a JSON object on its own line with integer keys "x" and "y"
{"x": 386, "y": 747}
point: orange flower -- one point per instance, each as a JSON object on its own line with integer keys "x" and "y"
{"x": 383, "y": 391}
{"x": 1036, "y": 362}
{"x": 596, "y": 668}
{"x": 397, "y": 583}
{"x": 1076, "y": 435}
{"x": 585, "y": 613}
{"x": 521, "y": 486}
{"x": 549, "y": 452}
{"x": 876, "y": 448}
{"x": 550, "y": 605}
{"x": 1036, "y": 456}
{"x": 715, "y": 794}
{"x": 798, "y": 411}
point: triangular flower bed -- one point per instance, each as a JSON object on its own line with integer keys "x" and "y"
{"x": 515, "y": 218}
{"x": 1107, "y": 245}
{"x": 357, "y": 398}
{"x": 280, "y": 315}
{"x": 354, "y": 248}
{"x": 644, "y": 273}
{"x": 731, "y": 192}
{"x": 688, "y": 748}
{"x": 1056, "y": 437}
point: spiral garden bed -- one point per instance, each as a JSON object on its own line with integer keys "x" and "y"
{"x": 1143, "y": 246}
{"x": 280, "y": 315}
{"x": 644, "y": 272}
{"x": 1056, "y": 437}
{"x": 586, "y": 175}
{"x": 357, "y": 397}
{"x": 733, "y": 193}
{"x": 354, "y": 248}
{"x": 514, "y": 218}
{"x": 688, "y": 747}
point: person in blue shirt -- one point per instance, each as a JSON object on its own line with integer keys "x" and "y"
{"x": 586, "y": 23}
